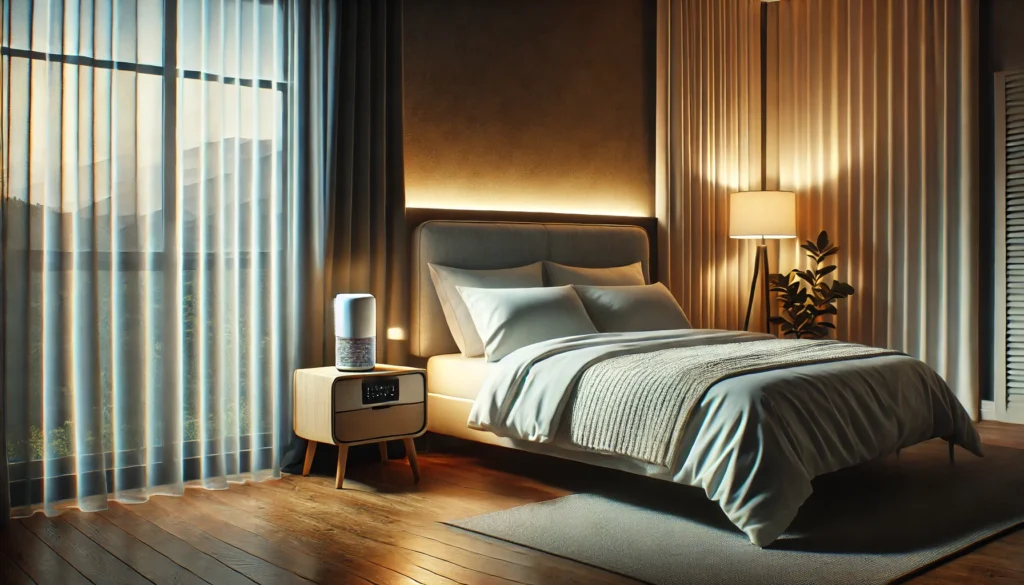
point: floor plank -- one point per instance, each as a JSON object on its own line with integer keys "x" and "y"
{"x": 368, "y": 559}
{"x": 251, "y": 566}
{"x": 381, "y": 529}
{"x": 89, "y": 558}
{"x": 37, "y": 560}
{"x": 130, "y": 550}
{"x": 385, "y": 526}
{"x": 172, "y": 547}
{"x": 291, "y": 559}
{"x": 11, "y": 573}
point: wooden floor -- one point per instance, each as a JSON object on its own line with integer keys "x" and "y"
{"x": 380, "y": 529}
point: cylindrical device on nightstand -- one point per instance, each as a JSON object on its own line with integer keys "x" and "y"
{"x": 355, "y": 332}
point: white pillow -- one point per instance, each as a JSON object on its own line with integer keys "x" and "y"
{"x": 446, "y": 280}
{"x": 561, "y": 275}
{"x": 510, "y": 318}
{"x": 616, "y": 309}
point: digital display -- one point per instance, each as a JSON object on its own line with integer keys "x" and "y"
{"x": 378, "y": 390}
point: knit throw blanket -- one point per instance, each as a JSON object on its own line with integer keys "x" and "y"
{"x": 637, "y": 404}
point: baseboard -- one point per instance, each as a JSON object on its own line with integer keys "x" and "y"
{"x": 988, "y": 410}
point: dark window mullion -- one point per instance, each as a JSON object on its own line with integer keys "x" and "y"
{"x": 226, "y": 80}
{"x": 83, "y": 61}
{"x": 170, "y": 434}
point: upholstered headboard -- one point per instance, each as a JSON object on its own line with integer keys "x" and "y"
{"x": 481, "y": 245}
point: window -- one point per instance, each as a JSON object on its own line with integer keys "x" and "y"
{"x": 129, "y": 165}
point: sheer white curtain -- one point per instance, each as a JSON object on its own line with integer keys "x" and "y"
{"x": 148, "y": 222}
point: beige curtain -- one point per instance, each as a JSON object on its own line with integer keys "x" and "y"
{"x": 708, "y": 145}
{"x": 876, "y": 106}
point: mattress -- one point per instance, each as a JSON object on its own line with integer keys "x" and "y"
{"x": 457, "y": 376}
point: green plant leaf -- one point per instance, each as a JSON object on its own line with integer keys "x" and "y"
{"x": 826, "y": 253}
{"x": 822, "y": 243}
{"x": 841, "y": 288}
{"x": 826, "y": 270}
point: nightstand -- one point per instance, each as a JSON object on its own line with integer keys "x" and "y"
{"x": 356, "y": 408}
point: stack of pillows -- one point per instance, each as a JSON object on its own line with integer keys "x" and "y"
{"x": 495, "y": 312}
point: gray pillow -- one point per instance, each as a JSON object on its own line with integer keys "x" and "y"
{"x": 446, "y": 279}
{"x": 615, "y": 309}
{"x": 509, "y": 318}
{"x": 561, "y": 275}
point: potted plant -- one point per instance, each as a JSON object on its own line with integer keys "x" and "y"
{"x": 805, "y": 297}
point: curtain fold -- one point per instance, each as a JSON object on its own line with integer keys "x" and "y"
{"x": 709, "y": 82}
{"x": 364, "y": 182}
{"x": 871, "y": 118}
{"x": 353, "y": 182}
{"x": 877, "y": 109}
{"x": 149, "y": 218}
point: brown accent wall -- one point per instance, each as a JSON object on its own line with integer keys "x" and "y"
{"x": 530, "y": 105}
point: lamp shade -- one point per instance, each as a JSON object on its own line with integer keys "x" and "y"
{"x": 762, "y": 214}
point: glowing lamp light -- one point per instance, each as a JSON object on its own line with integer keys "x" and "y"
{"x": 762, "y": 215}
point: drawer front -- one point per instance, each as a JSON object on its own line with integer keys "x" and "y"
{"x": 368, "y": 424}
{"x": 348, "y": 392}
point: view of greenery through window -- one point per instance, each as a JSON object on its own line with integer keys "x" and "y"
{"x": 86, "y": 269}
{"x": 143, "y": 292}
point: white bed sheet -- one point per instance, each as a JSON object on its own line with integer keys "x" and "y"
{"x": 457, "y": 376}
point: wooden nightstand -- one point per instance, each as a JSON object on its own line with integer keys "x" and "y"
{"x": 355, "y": 408}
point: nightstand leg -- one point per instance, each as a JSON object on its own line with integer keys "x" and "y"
{"x": 310, "y": 452}
{"x": 339, "y": 475}
{"x": 383, "y": 446}
{"x": 410, "y": 452}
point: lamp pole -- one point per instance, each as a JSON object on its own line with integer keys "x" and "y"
{"x": 760, "y": 272}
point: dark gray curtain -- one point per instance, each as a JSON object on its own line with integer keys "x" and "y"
{"x": 349, "y": 53}
{"x": 5, "y": 484}
{"x": 365, "y": 185}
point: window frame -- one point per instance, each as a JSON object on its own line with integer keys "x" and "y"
{"x": 173, "y": 461}
{"x": 142, "y": 260}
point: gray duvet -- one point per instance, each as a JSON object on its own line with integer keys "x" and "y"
{"x": 752, "y": 441}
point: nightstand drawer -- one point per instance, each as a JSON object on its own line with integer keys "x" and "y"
{"x": 349, "y": 392}
{"x": 368, "y": 424}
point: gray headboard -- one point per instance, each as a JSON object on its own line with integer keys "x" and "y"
{"x": 483, "y": 245}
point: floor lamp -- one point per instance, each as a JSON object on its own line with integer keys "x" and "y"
{"x": 764, "y": 215}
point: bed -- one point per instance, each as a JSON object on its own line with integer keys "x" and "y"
{"x": 752, "y": 441}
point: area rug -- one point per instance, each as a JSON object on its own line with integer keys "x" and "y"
{"x": 876, "y": 523}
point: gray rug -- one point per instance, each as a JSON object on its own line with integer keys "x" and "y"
{"x": 875, "y": 523}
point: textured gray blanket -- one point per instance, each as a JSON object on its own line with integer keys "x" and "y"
{"x": 637, "y": 404}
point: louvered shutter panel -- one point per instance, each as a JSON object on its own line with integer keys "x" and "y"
{"x": 1010, "y": 241}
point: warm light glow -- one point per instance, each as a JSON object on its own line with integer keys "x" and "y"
{"x": 396, "y": 334}
{"x": 762, "y": 214}
{"x": 589, "y": 203}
